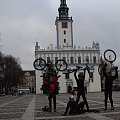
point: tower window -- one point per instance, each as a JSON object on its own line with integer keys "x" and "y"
{"x": 64, "y": 25}
{"x": 64, "y": 32}
{"x": 64, "y": 40}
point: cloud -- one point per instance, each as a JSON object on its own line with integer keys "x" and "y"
{"x": 23, "y": 22}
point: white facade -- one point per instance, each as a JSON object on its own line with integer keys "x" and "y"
{"x": 72, "y": 55}
{"x": 64, "y": 33}
{"x": 94, "y": 86}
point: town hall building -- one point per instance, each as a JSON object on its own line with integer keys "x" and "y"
{"x": 72, "y": 54}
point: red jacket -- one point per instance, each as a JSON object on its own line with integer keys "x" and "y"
{"x": 51, "y": 87}
{"x": 55, "y": 78}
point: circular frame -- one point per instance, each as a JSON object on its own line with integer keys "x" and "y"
{"x": 114, "y": 55}
{"x": 61, "y": 65}
{"x": 39, "y": 64}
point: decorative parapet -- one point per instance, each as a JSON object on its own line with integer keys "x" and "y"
{"x": 95, "y": 46}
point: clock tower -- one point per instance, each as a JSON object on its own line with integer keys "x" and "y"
{"x": 64, "y": 27}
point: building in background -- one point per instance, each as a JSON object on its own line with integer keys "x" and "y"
{"x": 72, "y": 54}
{"x": 29, "y": 80}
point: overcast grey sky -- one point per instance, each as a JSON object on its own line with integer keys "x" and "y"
{"x": 24, "y": 22}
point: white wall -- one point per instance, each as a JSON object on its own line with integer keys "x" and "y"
{"x": 39, "y": 82}
{"x": 62, "y": 83}
{"x": 94, "y": 86}
{"x": 67, "y": 36}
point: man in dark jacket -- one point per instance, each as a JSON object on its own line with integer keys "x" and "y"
{"x": 108, "y": 83}
{"x": 80, "y": 87}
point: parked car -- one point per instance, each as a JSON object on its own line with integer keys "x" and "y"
{"x": 22, "y": 91}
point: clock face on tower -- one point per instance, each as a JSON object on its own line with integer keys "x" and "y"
{"x": 64, "y": 25}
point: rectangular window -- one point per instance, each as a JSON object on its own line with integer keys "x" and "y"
{"x": 48, "y": 59}
{"x": 91, "y": 78}
{"x": 40, "y": 57}
{"x": 79, "y": 60}
{"x": 71, "y": 60}
{"x": 94, "y": 59}
{"x": 64, "y": 32}
{"x": 64, "y": 58}
{"x": 56, "y": 58}
{"x": 87, "y": 59}
{"x": 64, "y": 25}
{"x": 64, "y": 40}
{"x": 67, "y": 76}
{"x": 40, "y": 62}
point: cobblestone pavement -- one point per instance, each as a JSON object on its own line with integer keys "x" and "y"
{"x": 29, "y": 107}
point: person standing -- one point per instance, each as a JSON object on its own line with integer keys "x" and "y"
{"x": 53, "y": 90}
{"x": 80, "y": 87}
{"x": 52, "y": 95}
{"x": 108, "y": 83}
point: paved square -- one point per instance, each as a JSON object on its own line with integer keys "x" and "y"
{"x": 29, "y": 107}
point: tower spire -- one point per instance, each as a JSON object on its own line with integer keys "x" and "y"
{"x": 64, "y": 27}
{"x": 63, "y": 1}
{"x": 63, "y": 10}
